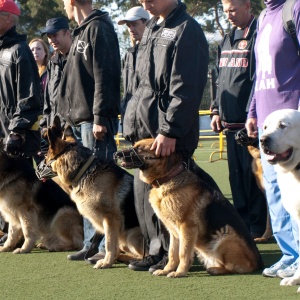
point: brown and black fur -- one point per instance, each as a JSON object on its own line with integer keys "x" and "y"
{"x": 258, "y": 173}
{"x": 198, "y": 218}
{"x": 40, "y": 212}
{"x": 103, "y": 195}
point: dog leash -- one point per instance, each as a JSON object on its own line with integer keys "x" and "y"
{"x": 83, "y": 169}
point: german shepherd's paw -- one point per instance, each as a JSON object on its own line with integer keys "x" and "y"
{"x": 5, "y": 249}
{"x": 176, "y": 274}
{"x": 41, "y": 246}
{"x": 168, "y": 273}
{"x": 102, "y": 264}
{"x": 21, "y": 251}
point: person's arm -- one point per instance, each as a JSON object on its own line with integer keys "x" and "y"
{"x": 107, "y": 73}
{"x": 27, "y": 100}
{"x": 251, "y": 123}
{"x": 215, "y": 123}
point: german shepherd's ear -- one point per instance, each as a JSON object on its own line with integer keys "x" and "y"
{"x": 56, "y": 123}
{"x": 68, "y": 134}
{"x": 52, "y": 137}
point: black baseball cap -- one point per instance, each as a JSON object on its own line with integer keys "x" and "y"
{"x": 54, "y": 25}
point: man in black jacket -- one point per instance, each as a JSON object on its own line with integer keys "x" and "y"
{"x": 89, "y": 92}
{"x": 135, "y": 20}
{"x": 60, "y": 38}
{"x": 20, "y": 90}
{"x": 171, "y": 73}
{"x": 19, "y": 87}
{"x": 236, "y": 67}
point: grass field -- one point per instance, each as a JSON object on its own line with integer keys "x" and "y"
{"x": 45, "y": 275}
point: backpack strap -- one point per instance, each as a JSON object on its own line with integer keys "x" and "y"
{"x": 288, "y": 22}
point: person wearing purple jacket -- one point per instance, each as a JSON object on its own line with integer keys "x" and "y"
{"x": 277, "y": 87}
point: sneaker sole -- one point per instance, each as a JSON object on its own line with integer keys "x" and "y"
{"x": 270, "y": 276}
{"x": 135, "y": 268}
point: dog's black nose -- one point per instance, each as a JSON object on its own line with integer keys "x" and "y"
{"x": 264, "y": 141}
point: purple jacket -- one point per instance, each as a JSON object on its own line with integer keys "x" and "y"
{"x": 277, "y": 64}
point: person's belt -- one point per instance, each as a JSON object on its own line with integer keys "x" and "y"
{"x": 233, "y": 126}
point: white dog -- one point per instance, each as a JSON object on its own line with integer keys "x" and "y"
{"x": 281, "y": 144}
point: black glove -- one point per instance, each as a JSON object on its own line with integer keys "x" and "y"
{"x": 14, "y": 144}
{"x": 242, "y": 138}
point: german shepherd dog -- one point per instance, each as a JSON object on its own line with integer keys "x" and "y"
{"x": 102, "y": 191}
{"x": 35, "y": 210}
{"x": 197, "y": 217}
{"x": 252, "y": 145}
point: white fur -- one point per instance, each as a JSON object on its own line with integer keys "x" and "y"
{"x": 283, "y": 128}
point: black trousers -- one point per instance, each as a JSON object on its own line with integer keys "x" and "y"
{"x": 155, "y": 234}
{"x": 248, "y": 199}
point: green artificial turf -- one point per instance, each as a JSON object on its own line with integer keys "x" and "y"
{"x": 46, "y": 275}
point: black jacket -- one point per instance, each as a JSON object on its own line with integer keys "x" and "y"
{"x": 171, "y": 73}
{"x": 236, "y": 66}
{"x": 128, "y": 71}
{"x": 19, "y": 86}
{"x": 90, "y": 85}
{"x": 55, "y": 69}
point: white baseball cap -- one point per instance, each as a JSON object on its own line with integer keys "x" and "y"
{"x": 134, "y": 14}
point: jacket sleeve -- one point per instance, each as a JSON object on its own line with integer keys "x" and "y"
{"x": 27, "y": 94}
{"x": 252, "y": 108}
{"x": 216, "y": 102}
{"x": 187, "y": 81}
{"x": 107, "y": 74}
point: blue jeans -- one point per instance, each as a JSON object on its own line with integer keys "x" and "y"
{"x": 285, "y": 229}
{"x": 102, "y": 149}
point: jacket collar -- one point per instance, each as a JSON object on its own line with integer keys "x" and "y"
{"x": 246, "y": 32}
{"x": 94, "y": 15}
{"x": 11, "y": 37}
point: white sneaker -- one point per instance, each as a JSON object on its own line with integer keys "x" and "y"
{"x": 272, "y": 271}
{"x": 288, "y": 271}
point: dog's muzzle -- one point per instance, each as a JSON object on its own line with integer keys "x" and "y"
{"x": 129, "y": 159}
{"x": 242, "y": 138}
{"x": 44, "y": 171}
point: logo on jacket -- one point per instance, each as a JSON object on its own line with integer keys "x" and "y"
{"x": 242, "y": 45}
{"x": 168, "y": 33}
{"x": 6, "y": 55}
{"x": 82, "y": 47}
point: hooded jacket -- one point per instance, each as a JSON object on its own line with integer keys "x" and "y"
{"x": 19, "y": 83}
{"x": 171, "y": 73}
{"x": 19, "y": 91}
{"x": 90, "y": 85}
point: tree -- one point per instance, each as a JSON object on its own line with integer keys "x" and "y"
{"x": 35, "y": 13}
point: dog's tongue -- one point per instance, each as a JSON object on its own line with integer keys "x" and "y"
{"x": 270, "y": 156}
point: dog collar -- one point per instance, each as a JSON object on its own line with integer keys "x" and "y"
{"x": 174, "y": 172}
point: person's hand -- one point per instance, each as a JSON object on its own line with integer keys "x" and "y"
{"x": 99, "y": 132}
{"x": 251, "y": 126}
{"x": 163, "y": 145}
{"x": 215, "y": 124}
